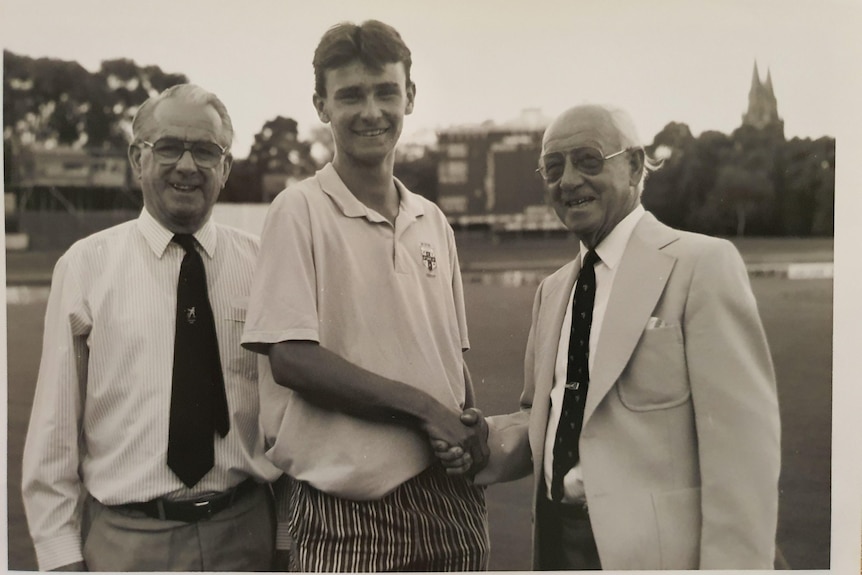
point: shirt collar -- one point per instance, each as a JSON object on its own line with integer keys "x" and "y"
{"x": 411, "y": 205}
{"x": 332, "y": 184}
{"x": 158, "y": 237}
{"x": 611, "y": 248}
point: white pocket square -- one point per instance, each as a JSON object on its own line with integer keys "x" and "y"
{"x": 655, "y": 322}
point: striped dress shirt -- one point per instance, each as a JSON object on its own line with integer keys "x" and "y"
{"x": 100, "y": 415}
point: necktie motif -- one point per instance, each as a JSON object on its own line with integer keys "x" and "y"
{"x": 566, "y": 453}
{"x": 198, "y": 399}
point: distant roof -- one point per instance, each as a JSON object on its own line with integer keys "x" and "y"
{"x": 530, "y": 120}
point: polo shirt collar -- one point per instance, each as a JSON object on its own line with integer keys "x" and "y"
{"x": 611, "y": 249}
{"x": 411, "y": 205}
{"x": 158, "y": 237}
{"x": 332, "y": 184}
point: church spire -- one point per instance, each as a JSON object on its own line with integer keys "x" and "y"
{"x": 755, "y": 80}
{"x": 762, "y": 106}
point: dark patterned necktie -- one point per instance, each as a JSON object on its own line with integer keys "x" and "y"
{"x": 566, "y": 454}
{"x": 198, "y": 401}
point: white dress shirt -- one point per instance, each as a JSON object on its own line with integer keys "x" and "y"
{"x": 610, "y": 250}
{"x": 102, "y": 405}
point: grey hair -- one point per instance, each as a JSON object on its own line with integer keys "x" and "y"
{"x": 190, "y": 92}
{"x": 630, "y": 140}
{"x": 650, "y": 166}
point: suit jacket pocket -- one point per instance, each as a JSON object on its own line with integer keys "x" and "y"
{"x": 656, "y": 376}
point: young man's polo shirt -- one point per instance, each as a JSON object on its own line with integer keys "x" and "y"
{"x": 387, "y": 298}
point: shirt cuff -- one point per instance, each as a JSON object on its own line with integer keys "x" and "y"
{"x": 59, "y": 551}
{"x": 259, "y": 341}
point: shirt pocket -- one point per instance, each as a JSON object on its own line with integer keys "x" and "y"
{"x": 236, "y": 309}
{"x": 237, "y": 359}
{"x": 656, "y": 376}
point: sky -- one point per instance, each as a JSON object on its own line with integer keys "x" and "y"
{"x": 664, "y": 60}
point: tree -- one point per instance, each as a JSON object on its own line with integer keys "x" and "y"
{"x": 50, "y": 102}
{"x": 276, "y": 158}
{"x": 41, "y": 99}
{"x": 125, "y": 86}
{"x": 743, "y": 192}
{"x": 823, "y": 220}
{"x": 697, "y": 180}
{"x": 243, "y": 184}
{"x": 277, "y": 148}
{"x": 806, "y": 180}
{"x": 664, "y": 192}
{"x": 322, "y": 145}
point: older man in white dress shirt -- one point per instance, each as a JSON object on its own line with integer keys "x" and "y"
{"x": 128, "y": 466}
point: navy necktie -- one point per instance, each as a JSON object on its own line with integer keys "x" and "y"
{"x": 566, "y": 454}
{"x": 198, "y": 400}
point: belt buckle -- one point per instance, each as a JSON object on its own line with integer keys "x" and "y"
{"x": 204, "y": 506}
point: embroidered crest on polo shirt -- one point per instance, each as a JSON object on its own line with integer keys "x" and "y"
{"x": 429, "y": 259}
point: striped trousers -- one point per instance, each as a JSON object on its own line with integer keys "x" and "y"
{"x": 431, "y": 522}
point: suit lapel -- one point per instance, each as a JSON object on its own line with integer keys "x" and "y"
{"x": 638, "y": 285}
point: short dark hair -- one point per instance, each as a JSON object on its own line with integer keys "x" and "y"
{"x": 373, "y": 43}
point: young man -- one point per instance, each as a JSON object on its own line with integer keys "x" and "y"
{"x": 357, "y": 301}
{"x": 143, "y": 451}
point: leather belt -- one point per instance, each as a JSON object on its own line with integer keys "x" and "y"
{"x": 194, "y": 510}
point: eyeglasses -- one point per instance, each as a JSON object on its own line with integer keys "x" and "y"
{"x": 169, "y": 151}
{"x": 589, "y": 161}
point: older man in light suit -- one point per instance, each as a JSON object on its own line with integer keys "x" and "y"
{"x": 672, "y": 432}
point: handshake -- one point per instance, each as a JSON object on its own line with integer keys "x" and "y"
{"x": 462, "y": 448}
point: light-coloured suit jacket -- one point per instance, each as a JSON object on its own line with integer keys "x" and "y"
{"x": 680, "y": 446}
